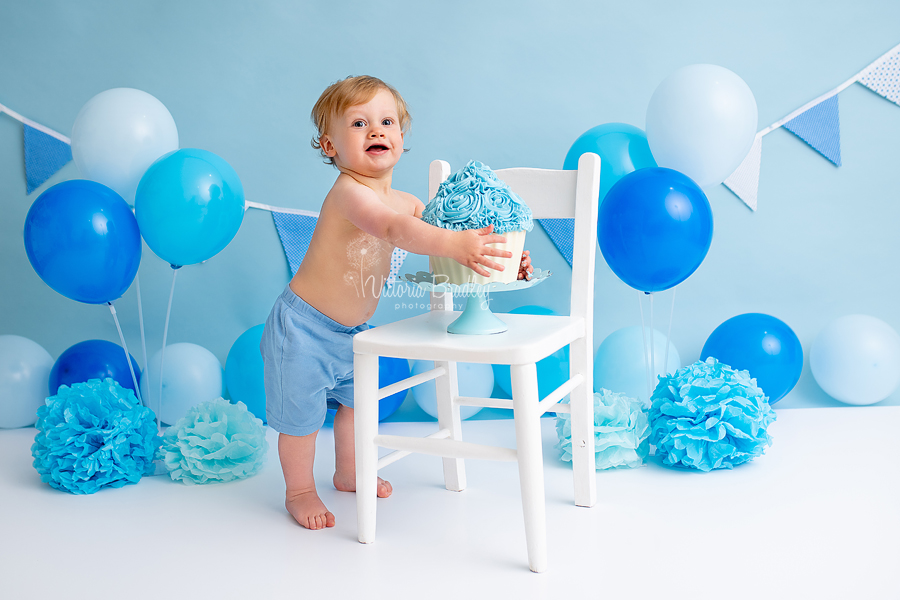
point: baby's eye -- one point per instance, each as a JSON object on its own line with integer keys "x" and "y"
{"x": 358, "y": 123}
{"x": 387, "y": 122}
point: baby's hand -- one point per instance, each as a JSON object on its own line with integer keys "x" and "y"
{"x": 525, "y": 268}
{"x": 473, "y": 250}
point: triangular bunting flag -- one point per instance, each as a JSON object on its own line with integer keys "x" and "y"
{"x": 744, "y": 182}
{"x": 44, "y": 156}
{"x": 562, "y": 234}
{"x": 820, "y": 127}
{"x": 883, "y": 77}
{"x": 295, "y": 232}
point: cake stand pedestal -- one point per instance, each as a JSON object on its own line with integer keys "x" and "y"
{"x": 476, "y": 318}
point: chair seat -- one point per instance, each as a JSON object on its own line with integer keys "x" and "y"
{"x": 528, "y": 339}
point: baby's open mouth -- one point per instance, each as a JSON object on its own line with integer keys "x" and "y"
{"x": 376, "y": 148}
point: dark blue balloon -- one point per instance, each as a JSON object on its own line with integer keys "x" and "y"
{"x": 82, "y": 239}
{"x": 93, "y": 359}
{"x": 654, "y": 228}
{"x": 391, "y": 370}
{"x": 763, "y": 345}
{"x": 622, "y": 149}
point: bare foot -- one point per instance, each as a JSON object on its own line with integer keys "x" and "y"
{"x": 308, "y": 510}
{"x": 348, "y": 484}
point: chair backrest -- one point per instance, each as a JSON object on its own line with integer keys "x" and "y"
{"x": 553, "y": 194}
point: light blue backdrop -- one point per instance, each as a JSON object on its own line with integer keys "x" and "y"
{"x": 507, "y": 83}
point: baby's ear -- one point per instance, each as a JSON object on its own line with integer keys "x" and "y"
{"x": 327, "y": 146}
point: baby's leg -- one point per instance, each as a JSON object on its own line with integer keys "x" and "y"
{"x": 345, "y": 455}
{"x": 301, "y": 500}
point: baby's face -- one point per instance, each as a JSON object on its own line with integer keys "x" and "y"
{"x": 366, "y": 139}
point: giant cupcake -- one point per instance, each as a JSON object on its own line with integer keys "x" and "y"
{"x": 473, "y": 198}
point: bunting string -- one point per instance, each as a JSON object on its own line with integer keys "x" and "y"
{"x": 817, "y": 123}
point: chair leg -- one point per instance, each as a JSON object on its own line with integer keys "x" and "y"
{"x": 584, "y": 468}
{"x": 531, "y": 462}
{"x": 446, "y": 388}
{"x": 365, "y": 428}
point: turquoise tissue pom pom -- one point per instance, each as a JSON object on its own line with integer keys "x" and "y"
{"x": 709, "y": 416}
{"x": 216, "y": 441}
{"x": 621, "y": 431}
{"x": 94, "y": 435}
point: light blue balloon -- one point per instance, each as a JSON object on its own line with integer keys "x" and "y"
{"x": 244, "y": 372}
{"x": 701, "y": 121}
{"x": 191, "y": 375}
{"x": 552, "y": 371}
{"x": 619, "y": 365}
{"x": 475, "y": 381}
{"x": 189, "y": 206}
{"x": 622, "y": 149}
{"x": 24, "y": 375}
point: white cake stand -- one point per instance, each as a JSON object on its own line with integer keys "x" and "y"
{"x": 476, "y": 318}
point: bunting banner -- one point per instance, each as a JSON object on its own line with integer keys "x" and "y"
{"x": 818, "y": 123}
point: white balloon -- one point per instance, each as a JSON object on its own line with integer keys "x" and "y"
{"x": 24, "y": 380}
{"x": 701, "y": 121}
{"x": 191, "y": 375}
{"x": 118, "y": 134}
{"x": 856, "y": 359}
{"x": 476, "y": 380}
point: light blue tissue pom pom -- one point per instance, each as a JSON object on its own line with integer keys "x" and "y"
{"x": 621, "y": 431}
{"x": 709, "y": 416}
{"x": 215, "y": 441}
{"x": 94, "y": 435}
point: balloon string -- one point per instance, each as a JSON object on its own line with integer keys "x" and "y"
{"x": 141, "y": 321}
{"x": 652, "y": 337}
{"x": 644, "y": 341}
{"x": 137, "y": 389}
{"x": 162, "y": 353}
{"x": 669, "y": 332}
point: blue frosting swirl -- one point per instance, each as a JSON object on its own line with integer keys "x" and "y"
{"x": 475, "y": 197}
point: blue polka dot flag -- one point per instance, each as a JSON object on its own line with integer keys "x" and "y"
{"x": 44, "y": 156}
{"x": 295, "y": 232}
{"x": 820, "y": 127}
{"x": 562, "y": 234}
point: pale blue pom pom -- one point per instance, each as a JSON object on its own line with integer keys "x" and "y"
{"x": 709, "y": 416}
{"x": 215, "y": 441}
{"x": 94, "y": 435}
{"x": 621, "y": 431}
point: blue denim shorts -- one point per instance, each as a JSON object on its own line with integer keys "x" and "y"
{"x": 308, "y": 360}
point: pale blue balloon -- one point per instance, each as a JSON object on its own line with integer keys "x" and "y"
{"x": 191, "y": 375}
{"x": 620, "y": 364}
{"x": 622, "y": 148}
{"x": 24, "y": 380}
{"x": 475, "y": 381}
{"x": 701, "y": 121}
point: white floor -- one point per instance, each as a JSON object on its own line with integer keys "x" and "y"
{"x": 817, "y": 517}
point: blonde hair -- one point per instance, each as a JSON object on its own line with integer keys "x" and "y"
{"x": 352, "y": 91}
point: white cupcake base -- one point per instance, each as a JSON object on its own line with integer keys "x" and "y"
{"x": 447, "y": 270}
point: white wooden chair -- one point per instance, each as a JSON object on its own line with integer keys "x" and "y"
{"x": 549, "y": 194}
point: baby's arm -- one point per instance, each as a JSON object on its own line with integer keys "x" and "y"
{"x": 362, "y": 207}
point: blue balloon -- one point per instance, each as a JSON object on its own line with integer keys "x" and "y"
{"x": 189, "y": 205}
{"x": 654, "y": 228}
{"x": 244, "y": 372}
{"x": 552, "y": 371}
{"x": 622, "y": 360}
{"x": 622, "y": 149}
{"x": 83, "y": 241}
{"x": 391, "y": 370}
{"x": 93, "y": 359}
{"x": 763, "y": 345}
